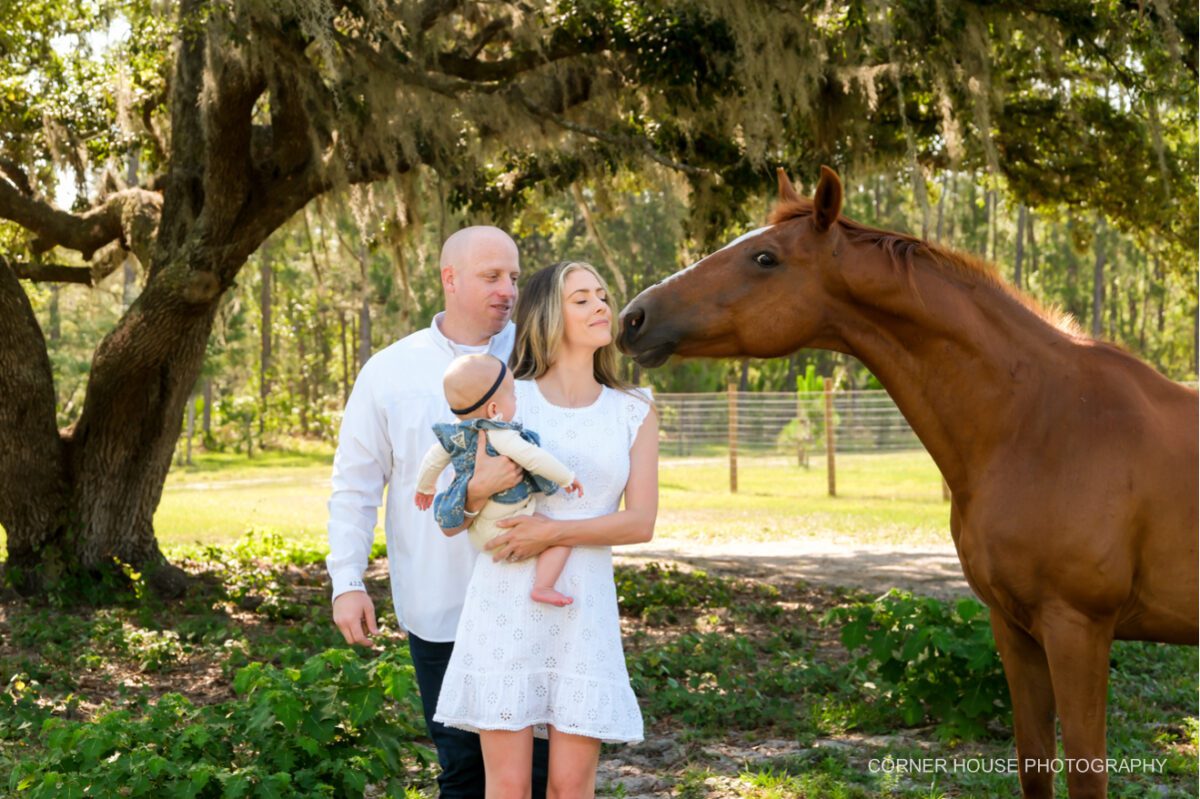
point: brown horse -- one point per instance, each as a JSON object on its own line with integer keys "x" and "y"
{"x": 1072, "y": 465}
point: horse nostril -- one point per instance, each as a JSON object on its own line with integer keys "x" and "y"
{"x": 634, "y": 323}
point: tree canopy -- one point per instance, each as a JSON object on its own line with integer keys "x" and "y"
{"x": 181, "y": 136}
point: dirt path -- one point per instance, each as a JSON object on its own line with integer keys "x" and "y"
{"x": 928, "y": 570}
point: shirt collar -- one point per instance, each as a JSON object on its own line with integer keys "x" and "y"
{"x": 497, "y": 345}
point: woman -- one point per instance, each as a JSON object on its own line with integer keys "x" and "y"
{"x": 521, "y": 667}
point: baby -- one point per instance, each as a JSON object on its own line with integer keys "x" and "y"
{"x": 481, "y": 394}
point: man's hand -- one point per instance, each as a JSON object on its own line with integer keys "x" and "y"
{"x": 350, "y": 611}
{"x": 423, "y": 500}
{"x": 492, "y": 474}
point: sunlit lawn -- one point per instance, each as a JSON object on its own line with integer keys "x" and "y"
{"x": 890, "y": 498}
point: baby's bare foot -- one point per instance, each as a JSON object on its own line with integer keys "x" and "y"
{"x": 550, "y": 597}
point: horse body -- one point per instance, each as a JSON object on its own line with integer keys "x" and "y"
{"x": 1072, "y": 465}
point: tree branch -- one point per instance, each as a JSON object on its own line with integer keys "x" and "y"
{"x": 130, "y": 216}
{"x": 644, "y": 146}
{"x": 183, "y": 196}
{"x": 228, "y": 165}
{"x": 50, "y": 273}
{"x": 433, "y": 10}
{"x": 17, "y": 175}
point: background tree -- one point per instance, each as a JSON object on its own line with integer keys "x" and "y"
{"x": 241, "y": 114}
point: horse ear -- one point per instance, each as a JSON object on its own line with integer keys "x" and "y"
{"x": 787, "y": 192}
{"x": 827, "y": 202}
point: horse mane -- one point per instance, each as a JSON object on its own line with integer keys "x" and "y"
{"x": 902, "y": 248}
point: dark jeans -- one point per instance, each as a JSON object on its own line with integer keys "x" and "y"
{"x": 458, "y": 751}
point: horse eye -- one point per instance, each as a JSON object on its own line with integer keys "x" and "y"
{"x": 765, "y": 259}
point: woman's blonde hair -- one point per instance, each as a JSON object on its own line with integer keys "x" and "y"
{"x": 539, "y": 320}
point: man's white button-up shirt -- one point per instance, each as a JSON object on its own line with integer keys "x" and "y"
{"x": 387, "y": 427}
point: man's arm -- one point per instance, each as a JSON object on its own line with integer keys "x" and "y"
{"x": 361, "y": 469}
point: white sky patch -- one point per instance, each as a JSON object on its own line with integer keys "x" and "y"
{"x": 99, "y": 42}
{"x": 738, "y": 240}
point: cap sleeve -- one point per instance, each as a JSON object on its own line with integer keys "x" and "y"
{"x": 636, "y": 405}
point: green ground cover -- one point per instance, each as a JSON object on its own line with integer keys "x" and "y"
{"x": 243, "y": 689}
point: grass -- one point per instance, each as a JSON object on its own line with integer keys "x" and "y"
{"x": 892, "y": 498}
{"x": 889, "y": 498}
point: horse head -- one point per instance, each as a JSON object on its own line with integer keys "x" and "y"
{"x": 764, "y": 294}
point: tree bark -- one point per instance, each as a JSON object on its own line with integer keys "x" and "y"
{"x": 264, "y": 366}
{"x": 33, "y": 474}
{"x": 121, "y": 447}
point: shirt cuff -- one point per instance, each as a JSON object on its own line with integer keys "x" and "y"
{"x": 345, "y": 583}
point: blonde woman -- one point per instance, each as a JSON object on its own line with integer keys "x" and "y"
{"x": 521, "y": 668}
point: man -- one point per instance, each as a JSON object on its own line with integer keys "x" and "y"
{"x": 386, "y": 428}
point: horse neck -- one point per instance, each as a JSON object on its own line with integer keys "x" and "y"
{"x": 960, "y": 357}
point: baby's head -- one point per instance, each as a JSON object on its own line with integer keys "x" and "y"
{"x": 481, "y": 387}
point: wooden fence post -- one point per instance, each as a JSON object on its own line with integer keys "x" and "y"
{"x": 801, "y": 418}
{"x": 830, "y": 466}
{"x": 733, "y": 438}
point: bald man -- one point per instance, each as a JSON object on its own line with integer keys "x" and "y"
{"x": 386, "y": 428}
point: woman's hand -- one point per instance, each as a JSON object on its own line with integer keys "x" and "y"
{"x": 527, "y": 536}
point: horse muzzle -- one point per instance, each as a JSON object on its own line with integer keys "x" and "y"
{"x": 648, "y": 344}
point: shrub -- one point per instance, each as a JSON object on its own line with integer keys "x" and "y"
{"x": 327, "y": 728}
{"x": 928, "y": 659}
{"x": 645, "y": 591}
{"x": 714, "y": 681}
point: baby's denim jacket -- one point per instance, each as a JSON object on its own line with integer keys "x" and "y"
{"x": 460, "y": 440}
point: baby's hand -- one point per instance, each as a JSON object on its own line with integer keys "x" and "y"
{"x": 575, "y": 486}
{"x": 423, "y": 500}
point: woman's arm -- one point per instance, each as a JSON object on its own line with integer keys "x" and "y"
{"x": 529, "y": 535}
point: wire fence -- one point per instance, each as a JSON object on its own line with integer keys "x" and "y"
{"x": 782, "y": 423}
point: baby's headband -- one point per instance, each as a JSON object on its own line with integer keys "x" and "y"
{"x": 486, "y": 397}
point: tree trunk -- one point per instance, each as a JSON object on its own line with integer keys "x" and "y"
{"x": 107, "y": 472}
{"x": 1161, "y": 291}
{"x": 1098, "y": 280}
{"x": 1033, "y": 249}
{"x": 1022, "y": 214}
{"x": 941, "y": 209}
{"x": 264, "y": 366}
{"x": 191, "y": 429}
{"x": 345, "y": 360}
{"x": 128, "y": 284}
{"x": 991, "y": 223}
{"x": 55, "y": 316}
{"x": 302, "y": 387}
{"x": 33, "y": 486}
{"x": 364, "y": 333}
{"x": 142, "y": 374}
{"x": 206, "y": 420}
{"x": 321, "y": 341}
